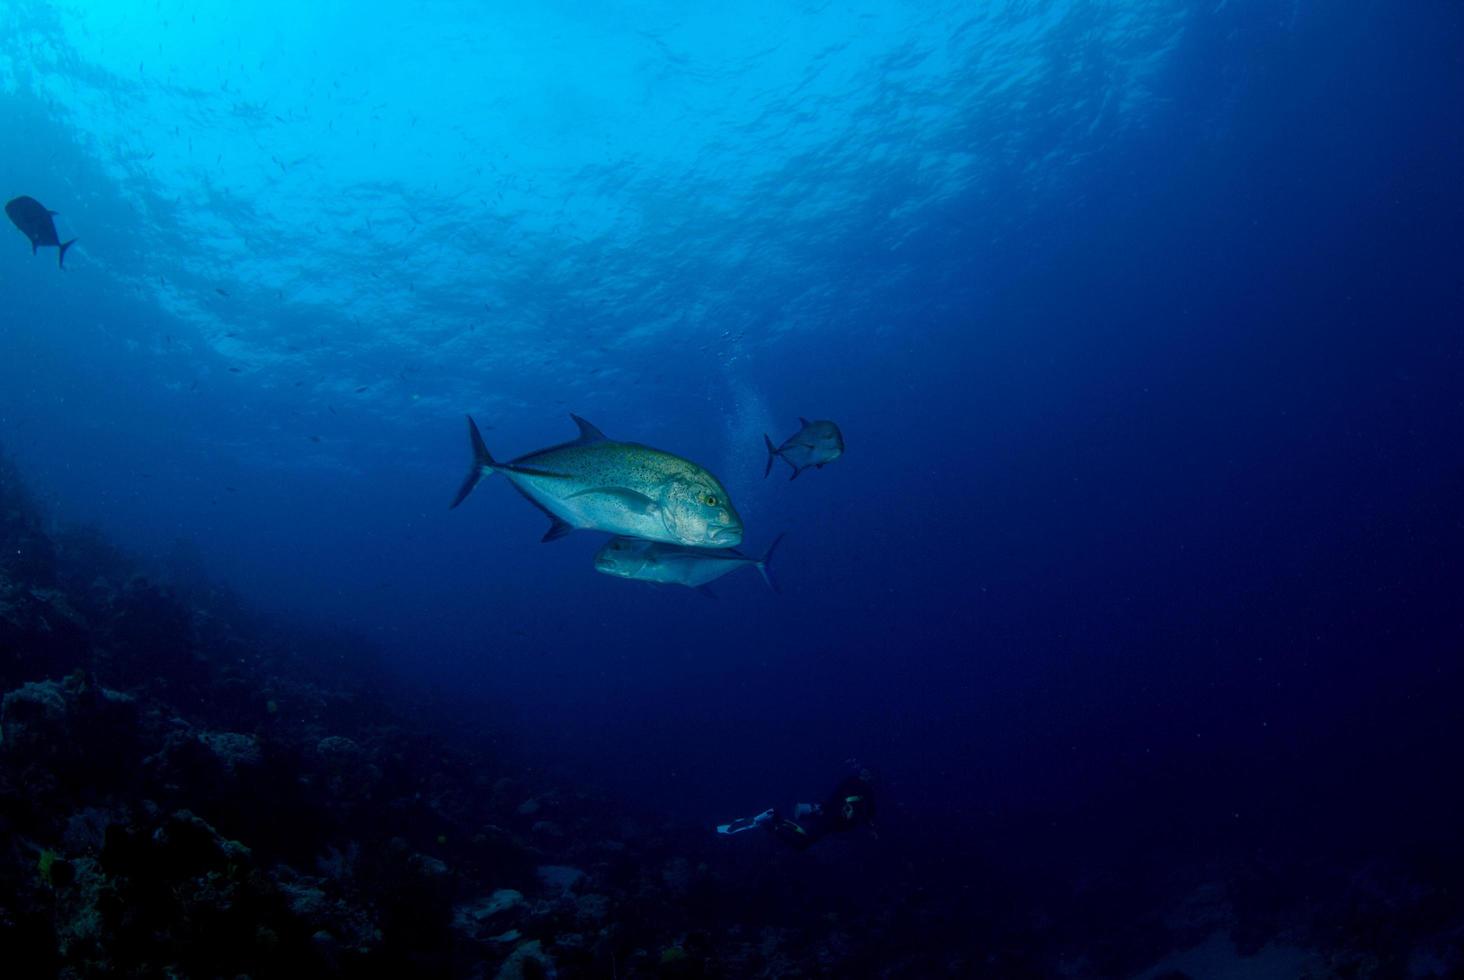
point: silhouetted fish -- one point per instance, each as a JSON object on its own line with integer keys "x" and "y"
{"x": 35, "y": 222}
{"x": 815, "y": 444}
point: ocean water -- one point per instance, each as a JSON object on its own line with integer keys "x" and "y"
{"x": 1141, "y": 321}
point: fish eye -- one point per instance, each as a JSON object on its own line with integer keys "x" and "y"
{"x": 711, "y": 499}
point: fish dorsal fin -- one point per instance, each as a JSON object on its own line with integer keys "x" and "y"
{"x": 588, "y": 433}
{"x": 804, "y": 422}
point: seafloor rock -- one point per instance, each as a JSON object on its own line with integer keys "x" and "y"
{"x": 62, "y": 739}
{"x": 346, "y": 771}
{"x": 592, "y": 909}
{"x": 528, "y": 962}
{"x": 232, "y": 749}
{"x": 493, "y": 914}
{"x": 560, "y": 878}
{"x": 152, "y": 643}
{"x": 340, "y": 926}
{"x": 182, "y": 899}
{"x": 34, "y": 719}
{"x": 41, "y": 635}
{"x": 190, "y": 845}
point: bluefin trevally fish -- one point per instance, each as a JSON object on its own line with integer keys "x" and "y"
{"x": 38, "y": 224}
{"x": 621, "y": 487}
{"x": 815, "y": 444}
{"x": 654, "y": 561}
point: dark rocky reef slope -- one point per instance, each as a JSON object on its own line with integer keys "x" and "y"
{"x": 187, "y": 789}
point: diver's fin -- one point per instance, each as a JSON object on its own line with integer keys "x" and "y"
{"x": 706, "y": 590}
{"x": 745, "y": 823}
{"x": 557, "y": 530}
{"x": 772, "y": 453}
{"x": 482, "y": 464}
{"x": 587, "y": 432}
{"x": 631, "y": 500}
{"x": 61, "y": 257}
{"x": 804, "y": 422}
{"x": 765, "y": 563}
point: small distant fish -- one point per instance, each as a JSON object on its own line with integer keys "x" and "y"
{"x": 222, "y": 292}
{"x": 654, "y": 561}
{"x": 619, "y": 487}
{"x": 813, "y": 445}
{"x": 38, "y": 224}
{"x": 315, "y": 438}
{"x": 362, "y": 388}
{"x": 234, "y": 370}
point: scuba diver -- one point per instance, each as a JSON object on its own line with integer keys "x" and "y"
{"x": 850, "y": 805}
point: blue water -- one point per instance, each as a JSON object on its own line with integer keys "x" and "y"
{"x": 1141, "y": 322}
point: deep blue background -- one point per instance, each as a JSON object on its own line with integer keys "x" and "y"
{"x": 1149, "y": 526}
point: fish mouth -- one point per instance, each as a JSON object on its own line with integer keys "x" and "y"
{"x": 728, "y": 537}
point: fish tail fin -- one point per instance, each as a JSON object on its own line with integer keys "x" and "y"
{"x": 765, "y": 565}
{"x": 482, "y": 464}
{"x": 772, "y": 454}
{"x": 61, "y": 258}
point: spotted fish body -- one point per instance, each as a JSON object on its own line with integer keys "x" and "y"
{"x": 624, "y": 488}
{"x": 815, "y": 444}
{"x": 669, "y": 564}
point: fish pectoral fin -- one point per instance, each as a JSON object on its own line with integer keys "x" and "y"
{"x": 631, "y": 500}
{"x": 557, "y": 530}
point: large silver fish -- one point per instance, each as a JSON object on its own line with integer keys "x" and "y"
{"x": 652, "y": 561}
{"x": 620, "y": 487}
{"x": 814, "y": 445}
